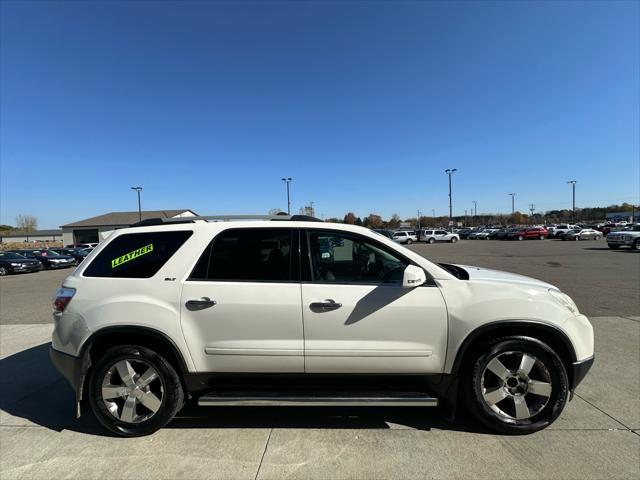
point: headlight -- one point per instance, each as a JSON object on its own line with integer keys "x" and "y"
{"x": 15, "y": 264}
{"x": 564, "y": 300}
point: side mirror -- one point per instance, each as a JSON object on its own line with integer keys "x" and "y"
{"x": 413, "y": 277}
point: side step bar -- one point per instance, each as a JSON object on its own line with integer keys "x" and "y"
{"x": 317, "y": 400}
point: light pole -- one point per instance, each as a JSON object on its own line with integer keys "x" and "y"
{"x": 138, "y": 189}
{"x": 433, "y": 211}
{"x": 475, "y": 210}
{"x": 513, "y": 203}
{"x": 532, "y": 207}
{"x": 450, "y": 171}
{"x": 573, "y": 187}
{"x": 418, "y": 219}
{"x": 313, "y": 212}
{"x": 287, "y": 180}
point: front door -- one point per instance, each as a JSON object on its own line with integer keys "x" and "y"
{"x": 240, "y": 308}
{"x": 357, "y": 316}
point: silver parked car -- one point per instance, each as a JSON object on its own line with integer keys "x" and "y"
{"x": 582, "y": 234}
{"x": 433, "y": 236}
{"x": 405, "y": 236}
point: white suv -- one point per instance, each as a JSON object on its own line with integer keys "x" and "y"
{"x": 433, "y": 236}
{"x": 288, "y": 311}
{"x": 403, "y": 236}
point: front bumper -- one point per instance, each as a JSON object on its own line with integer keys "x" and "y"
{"x": 580, "y": 370}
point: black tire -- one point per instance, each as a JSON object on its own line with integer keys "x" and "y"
{"x": 409, "y": 242}
{"x": 478, "y": 407}
{"x": 432, "y": 240}
{"x": 613, "y": 247}
{"x": 172, "y": 395}
{"x": 454, "y": 240}
{"x": 3, "y": 271}
{"x": 520, "y": 237}
{"x": 541, "y": 237}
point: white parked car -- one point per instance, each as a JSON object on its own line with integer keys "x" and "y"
{"x": 582, "y": 234}
{"x": 405, "y": 236}
{"x": 560, "y": 230}
{"x": 222, "y": 311}
{"x": 433, "y": 236}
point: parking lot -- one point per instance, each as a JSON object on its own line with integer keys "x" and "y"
{"x": 598, "y": 435}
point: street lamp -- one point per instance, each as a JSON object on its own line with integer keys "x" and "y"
{"x": 138, "y": 189}
{"x": 573, "y": 187}
{"x": 418, "y": 219}
{"x": 287, "y": 180}
{"x": 450, "y": 171}
{"x": 513, "y": 203}
{"x": 475, "y": 210}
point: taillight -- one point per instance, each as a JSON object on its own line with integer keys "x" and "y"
{"x": 62, "y": 298}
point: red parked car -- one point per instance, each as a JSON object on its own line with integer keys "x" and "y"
{"x": 538, "y": 233}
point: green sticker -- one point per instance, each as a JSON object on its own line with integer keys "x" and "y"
{"x": 127, "y": 257}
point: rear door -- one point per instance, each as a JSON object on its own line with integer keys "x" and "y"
{"x": 357, "y": 316}
{"x": 240, "y": 307}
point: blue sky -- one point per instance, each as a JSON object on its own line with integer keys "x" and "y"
{"x": 208, "y": 104}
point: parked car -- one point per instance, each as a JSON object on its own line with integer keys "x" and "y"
{"x": 11, "y": 262}
{"x": 384, "y": 232}
{"x": 78, "y": 253}
{"x": 486, "y": 233}
{"x": 213, "y": 311}
{"x": 405, "y": 236}
{"x": 560, "y": 230}
{"x": 583, "y": 234}
{"x": 537, "y": 233}
{"x": 625, "y": 238}
{"x": 82, "y": 245}
{"x": 474, "y": 234}
{"x": 433, "y": 236}
{"x": 503, "y": 234}
{"x": 464, "y": 233}
{"x": 48, "y": 259}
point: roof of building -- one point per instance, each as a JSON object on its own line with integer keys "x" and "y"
{"x": 119, "y": 219}
{"x": 35, "y": 233}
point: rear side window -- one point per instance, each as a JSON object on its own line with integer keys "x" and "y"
{"x": 136, "y": 255}
{"x": 250, "y": 255}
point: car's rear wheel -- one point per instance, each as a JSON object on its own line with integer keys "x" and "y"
{"x": 576, "y": 238}
{"x": 454, "y": 240}
{"x": 134, "y": 391}
{"x": 432, "y": 240}
{"x": 3, "y": 271}
{"x": 541, "y": 237}
{"x": 409, "y": 242}
{"x": 613, "y": 246}
{"x": 517, "y": 385}
{"x": 636, "y": 244}
{"x": 520, "y": 237}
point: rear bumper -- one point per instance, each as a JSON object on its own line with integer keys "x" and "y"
{"x": 580, "y": 370}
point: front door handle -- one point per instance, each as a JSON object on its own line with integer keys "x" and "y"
{"x": 199, "y": 304}
{"x": 325, "y": 306}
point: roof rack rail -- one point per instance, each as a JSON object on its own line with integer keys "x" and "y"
{"x": 223, "y": 218}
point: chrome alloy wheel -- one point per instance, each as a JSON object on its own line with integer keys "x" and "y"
{"x": 516, "y": 385}
{"x": 132, "y": 391}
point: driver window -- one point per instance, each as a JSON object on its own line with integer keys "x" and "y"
{"x": 340, "y": 258}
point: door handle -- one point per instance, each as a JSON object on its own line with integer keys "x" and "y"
{"x": 325, "y": 306}
{"x": 199, "y": 304}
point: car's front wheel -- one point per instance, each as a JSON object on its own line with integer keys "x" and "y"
{"x": 454, "y": 240}
{"x": 432, "y": 240}
{"x": 134, "y": 391}
{"x": 520, "y": 237}
{"x": 636, "y": 244}
{"x": 517, "y": 385}
{"x": 3, "y": 271}
{"x": 409, "y": 242}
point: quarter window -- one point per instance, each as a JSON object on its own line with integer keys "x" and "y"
{"x": 340, "y": 258}
{"x": 259, "y": 255}
{"x": 136, "y": 255}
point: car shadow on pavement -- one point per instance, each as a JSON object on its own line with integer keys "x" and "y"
{"x": 33, "y": 392}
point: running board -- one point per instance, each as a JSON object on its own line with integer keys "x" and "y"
{"x": 317, "y": 400}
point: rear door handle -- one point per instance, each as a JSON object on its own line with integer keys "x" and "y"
{"x": 325, "y": 306}
{"x": 199, "y": 304}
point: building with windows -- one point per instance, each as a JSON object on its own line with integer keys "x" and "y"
{"x": 95, "y": 229}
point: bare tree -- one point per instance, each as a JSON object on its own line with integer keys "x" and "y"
{"x": 26, "y": 223}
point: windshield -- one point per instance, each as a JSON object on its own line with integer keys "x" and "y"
{"x": 11, "y": 256}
